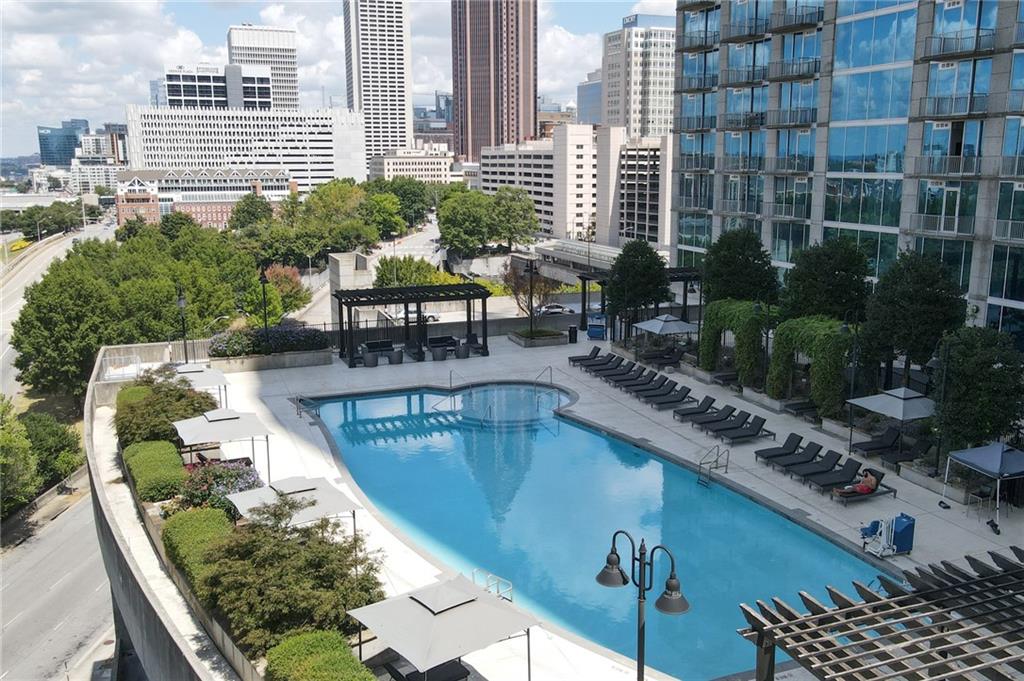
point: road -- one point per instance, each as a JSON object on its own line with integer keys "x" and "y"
{"x": 54, "y": 598}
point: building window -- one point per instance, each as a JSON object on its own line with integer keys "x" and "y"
{"x": 879, "y": 247}
{"x": 954, "y": 254}
{"x": 869, "y": 149}
{"x": 1007, "y": 280}
{"x": 881, "y": 39}
{"x": 877, "y": 94}
{"x": 694, "y": 230}
{"x": 865, "y": 201}
{"x": 687, "y": 258}
{"x": 788, "y": 239}
{"x": 1008, "y": 320}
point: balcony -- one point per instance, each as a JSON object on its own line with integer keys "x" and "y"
{"x": 694, "y": 5}
{"x": 791, "y": 118}
{"x": 692, "y": 162}
{"x": 954, "y": 105}
{"x": 1009, "y": 230}
{"x": 696, "y": 123}
{"x": 697, "y": 83}
{"x": 695, "y": 41}
{"x": 793, "y": 69}
{"x": 741, "y": 164}
{"x": 696, "y": 202}
{"x": 1012, "y": 166}
{"x": 1018, "y": 34}
{"x": 959, "y": 166}
{"x": 739, "y": 206}
{"x": 959, "y": 43}
{"x": 789, "y": 164}
{"x": 794, "y": 211}
{"x": 797, "y": 18}
{"x": 744, "y": 76}
{"x": 739, "y": 31}
{"x": 1015, "y": 101}
{"x": 743, "y": 120}
{"x": 953, "y": 225}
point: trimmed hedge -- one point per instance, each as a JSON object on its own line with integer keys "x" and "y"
{"x": 131, "y": 394}
{"x": 315, "y": 656}
{"x": 188, "y": 534}
{"x": 277, "y": 339}
{"x": 156, "y": 468}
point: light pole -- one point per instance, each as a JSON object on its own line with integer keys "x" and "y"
{"x": 266, "y": 326}
{"x": 767, "y": 310}
{"x": 531, "y": 269}
{"x": 671, "y": 601}
{"x": 184, "y": 328}
{"x": 847, "y": 328}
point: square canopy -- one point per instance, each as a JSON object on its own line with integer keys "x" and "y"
{"x": 996, "y": 460}
{"x": 328, "y": 501}
{"x": 245, "y": 502}
{"x": 443, "y": 621}
{"x": 220, "y": 425}
{"x": 902, "y": 404}
{"x": 665, "y": 325}
{"x": 201, "y": 376}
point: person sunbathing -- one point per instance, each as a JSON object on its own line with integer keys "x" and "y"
{"x": 867, "y": 485}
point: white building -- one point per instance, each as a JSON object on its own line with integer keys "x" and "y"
{"x": 87, "y": 175}
{"x": 467, "y": 173}
{"x": 206, "y": 86}
{"x": 633, "y": 200}
{"x": 637, "y": 68}
{"x": 315, "y": 146}
{"x": 559, "y": 174}
{"x": 274, "y": 47}
{"x": 378, "y": 72}
{"x": 41, "y": 177}
{"x": 427, "y": 163}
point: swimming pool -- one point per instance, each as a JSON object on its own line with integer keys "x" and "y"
{"x": 488, "y": 477}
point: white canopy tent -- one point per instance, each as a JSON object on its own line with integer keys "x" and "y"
{"x": 327, "y": 500}
{"x": 202, "y": 377}
{"x": 666, "y": 325}
{"x": 224, "y": 425}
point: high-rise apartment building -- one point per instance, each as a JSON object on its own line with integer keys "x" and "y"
{"x": 271, "y": 46}
{"x": 57, "y": 145}
{"x": 893, "y": 124}
{"x": 589, "y": 108}
{"x": 205, "y": 86}
{"x": 637, "y": 66}
{"x": 634, "y": 189}
{"x": 378, "y": 72}
{"x": 494, "y": 73}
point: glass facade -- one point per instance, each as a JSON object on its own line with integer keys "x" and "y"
{"x": 875, "y": 94}
{"x": 788, "y": 239}
{"x": 955, "y": 254}
{"x": 867, "y": 149}
{"x": 879, "y": 39}
{"x": 57, "y": 145}
{"x": 1007, "y": 280}
{"x": 880, "y": 248}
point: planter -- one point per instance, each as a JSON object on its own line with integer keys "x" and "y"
{"x": 370, "y": 359}
{"x": 761, "y": 399}
{"x": 841, "y": 429}
{"x": 696, "y": 372}
{"x": 396, "y": 357}
{"x": 439, "y": 354}
{"x": 281, "y": 360}
{"x": 911, "y": 474}
{"x": 462, "y": 352}
{"x": 542, "y": 342}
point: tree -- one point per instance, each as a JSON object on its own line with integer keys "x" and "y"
{"x": 252, "y": 304}
{"x": 291, "y": 210}
{"x": 351, "y": 235}
{"x": 981, "y": 394}
{"x": 53, "y": 183}
{"x": 333, "y": 202}
{"x": 251, "y": 209}
{"x": 102, "y": 190}
{"x": 829, "y": 279}
{"x": 403, "y": 270}
{"x": 515, "y": 221}
{"x": 444, "y": 191}
{"x": 518, "y": 284}
{"x": 737, "y": 266}
{"x": 638, "y": 278}
{"x": 916, "y": 302}
{"x": 19, "y": 479}
{"x": 131, "y": 227}
{"x": 55, "y": 445}
{"x": 152, "y": 417}
{"x": 381, "y": 212}
{"x": 172, "y": 223}
{"x": 466, "y": 222}
{"x": 289, "y": 287}
{"x": 414, "y": 197}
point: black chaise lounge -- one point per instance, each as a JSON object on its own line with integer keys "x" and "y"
{"x": 613, "y": 368}
{"x": 669, "y": 360}
{"x": 662, "y": 390}
{"x": 822, "y": 465}
{"x": 684, "y": 413}
{"x": 725, "y": 377}
{"x": 805, "y": 455}
{"x": 843, "y": 475}
{"x": 788, "y": 447}
{"x": 718, "y": 416}
{"x": 673, "y": 399}
{"x": 752, "y": 430}
{"x": 882, "y": 443}
{"x": 880, "y": 491}
{"x": 894, "y": 458}
{"x": 576, "y": 359}
{"x": 811, "y": 448}
{"x": 631, "y": 375}
{"x": 647, "y": 378}
{"x": 799, "y": 408}
{"x": 658, "y": 381}
{"x": 603, "y": 360}
{"x": 737, "y": 420}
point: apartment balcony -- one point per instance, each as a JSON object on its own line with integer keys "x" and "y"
{"x": 793, "y": 211}
{"x": 738, "y": 31}
{"x": 1015, "y": 101}
{"x": 797, "y": 18}
{"x": 791, "y": 118}
{"x": 696, "y": 123}
{"x": 702, "y": 203}
{"x": 741, "y": 164}
{"x": 692, "y": 162}
{"x": 1009, "y": 230}
{"x": 800, "y": 165}
{"x": 705, "y": 81}
{"x": 958, "y": 166}
{"x": 954, "y": 105}
{"x": 745, "y": 76}
{"x": 1012, "y": 166}
{"x": 793, "y": 69}
{"x": 695, "y": 41}
{"x": 739, "y": 206}
{"x": 694, "y": 5}
{"x": 960, "y": 44}
{"x": 743, "y": 120}
{"x": 952, "y": 225}
{"x": 1018, "y": 34}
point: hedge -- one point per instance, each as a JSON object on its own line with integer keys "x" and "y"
{"x": 131, "y": 394}
{"x": 746, "y": 324}
{"x": 277, "y": 339}
{"x": 156, "y": 468}
{"x": 315, "y": 656}
{"x": 821, "y": 339}
{"x": 188, "y": 534}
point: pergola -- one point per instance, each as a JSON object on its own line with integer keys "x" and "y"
{"x": 686, "y": 275}
{"x": 951, "y": 623}
{"x": 407, "y": 296}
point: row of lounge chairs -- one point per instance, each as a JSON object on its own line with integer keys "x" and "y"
{"x": 887, "y": 446}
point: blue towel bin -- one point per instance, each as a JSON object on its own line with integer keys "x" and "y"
{"x": 903, "y": 533}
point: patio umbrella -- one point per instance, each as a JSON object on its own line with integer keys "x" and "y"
{"x": 901, "y": 404}
{"x": 202, "y": 377}
{"x": 327, "y": 500}
{"x": 444, "y": 621}
{"x": 665, "y": 325}
{"x": 997, "y": 460}
{"x": 224, "y": 425}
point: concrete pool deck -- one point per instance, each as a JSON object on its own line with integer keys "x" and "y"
{"x": 298, "y": 447}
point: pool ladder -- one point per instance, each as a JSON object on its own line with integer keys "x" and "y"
{"x": 713, "y": 459}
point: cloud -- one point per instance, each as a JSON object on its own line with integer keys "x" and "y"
{"x": 654, "y": 7}
{"x": 569, "y": 57}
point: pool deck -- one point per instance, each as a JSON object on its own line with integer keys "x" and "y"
{"x": 298, "y": 447}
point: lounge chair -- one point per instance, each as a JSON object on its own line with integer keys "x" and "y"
{"x": 882, "y": 443}
{"x": 752, "y": 430}
{"x": 658, "y": 381}
{"x": 717, "y": 417}
{"x": 684, "y": 413}
{"x": 646, "y": 379}
{"x": 474, "y": 344}
{"x": 662, "y": 390}
{"x": 788, "y": 447}
{"x": 737, "y": 420}
{"x": 804, "y": 456}
{"x": 799, "y": 408}
{"x": 673, "y": 399}
{"x": 576, "y": 359}
{"x": 822, "y": 465}
{"x": 602, "y": 361}
{"x": 631, "y": 375}
{"x": 843, "y": 475}
{"x": 893, "y": 459}
{"x": 880, "y": 491}
{"x": 725, "y": 377}
{"x": 655, "y": 354}
{"x": 614, "y": 369}
{"x": 672, "y": 359}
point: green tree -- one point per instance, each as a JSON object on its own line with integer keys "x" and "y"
{"x": 291, "y": 210}
{"x": 737, "y": 266}
{"x": 444, "y": 191}
{"x": 515, "y": 221}
{"x": 172, "y": 223}
{"x": 289, "y": 287}
{"x": 403, "y": 270}
{"x": 54, "y": 444}
{"x": 982, "y": 387}
{"x": 251, "y": 209}
{"x": 131, "y": 227}
{"x": 915, "y": 303}
{"x": 333, "y": 202}
{"x": 638, "y": 278}
{"x": 252, "y": 304}
{"x": 466, "y": 221}
{"x": 350, "y": 235}
{"x": 102, "y": 190}
{"x": 19, "y": 478}
{"x": 414, "y": 197}
{"x": 381, "y": 212}
{"x": 829, "y": 279}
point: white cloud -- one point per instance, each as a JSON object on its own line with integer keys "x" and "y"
{"x": 568, "y": 58}
{"x": 654, "y": 7}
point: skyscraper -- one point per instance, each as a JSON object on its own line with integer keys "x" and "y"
{"x": 271, "y": 46}
{"x": 378, "y": 71}
{"x": 589, "y": 108}
{"x": 494, "y": 73}
{"x": 637, "y": 66}
{"x": 57, "y": 145}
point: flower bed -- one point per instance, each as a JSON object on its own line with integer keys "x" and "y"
{"x": 274, "y": 340}
{"x": 209, "y": 486}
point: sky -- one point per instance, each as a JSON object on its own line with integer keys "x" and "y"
{"x": 65, "y": 60}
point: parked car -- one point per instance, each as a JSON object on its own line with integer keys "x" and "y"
{"x": 426, "y": 317}
{"x": 553, "y": 308}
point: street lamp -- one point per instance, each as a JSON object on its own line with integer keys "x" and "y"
{"x": 671, "y": 601}
{"x": 846, "y": 328}
{"x": 531, "y": 269}
{"x": 184, "y": 328}
{"x": 266, "y": 326}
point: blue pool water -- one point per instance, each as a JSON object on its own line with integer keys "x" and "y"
{"x": 489, "y": 478}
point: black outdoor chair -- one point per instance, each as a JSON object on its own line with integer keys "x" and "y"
{"x": 725, "y": 377}
{"x": 645, "y": 379}
{"x": 788, "y": 447}
{"x": 673, "y": 399}
{"x": 752, "y": 430}
{"x": 882, "y": 443}
{"x": 805, "y": 455}
{"x": 603, "y": 360}
{"x": 474, "y": 344}
{"x": 822, "y": 465}
{"x": 658, "y": 381}
{"x": 576, "y": 359}
{"x": 381, "y": 347}
{"x": 614, "y": 368}
{"x": 881, "y": 490}
{"x": 685, "y": 413}
{"x": 721, "y": 414}
{"x": 919, "y": 450}
{"x": 737, "y": 420}
{"x": 663, "y": 390}
{"x": 844, "y": 475}
{"x": 631, "y": 375}
{"x": 671, "y": 360}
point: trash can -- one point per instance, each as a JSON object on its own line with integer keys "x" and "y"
{"x": 574, "y": 333}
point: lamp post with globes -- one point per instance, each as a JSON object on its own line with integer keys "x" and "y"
{"x": 671, "y": 601}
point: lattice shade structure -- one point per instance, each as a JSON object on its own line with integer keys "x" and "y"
{"x": 951, "y": 623}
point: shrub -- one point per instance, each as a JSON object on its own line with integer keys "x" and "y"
{"x": 188, "y": 536}
{"x": 130, "y": 394}
{"x": 156, "y": 469}
{"x": 820, "y": 338}
{"x": 210, "y": 485}
{"x": 55, "y": 445}
{"x": 747, "y": 325}
{"x": 19, "y": 245}
{"x": 152, "y": 417}
{"x": 279, "y": 339}
{"x": 315, "y": 656}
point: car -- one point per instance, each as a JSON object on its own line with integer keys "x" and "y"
{"x": 553, "y": 308}
{"x": 426, "y": 317}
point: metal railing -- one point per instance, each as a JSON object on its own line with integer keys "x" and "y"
{"x": 702, "y": 202}
{"x": 794, "y": 117}
{"x": 1010, "y": 230}
{"x": 799, "y": 211}
{"x": 751, "y": 206}
{"x": 705, "y": 81}
{"x": 789, "y": 164}
{"x": 698, "y": 40}
{"x": 954, "y": 105}
{"x": 691, "y": 5}
{"x": 120, "y": 367}
{"x": 697, "y": 122}
{"x": 1018, "y": 34}
{"x": 741, "y": 164}
{"x": 943, "y": 224}
{"x": 740, "y": 30}
{"x": 1012, "y": 166}
{"x": 712, "y": 460}
{"x": 793, "y": 68}
{"x": 953, "y": 165}
{"x": 747, "y": 74}
{"x": 960, "y": 42}
{"x": 795, "y": 18}
{"x": 696, "y": 162}
{"x": 1014, "y": 101}
{"x": 744, "y": 119}
{"x": 550, "y": 373}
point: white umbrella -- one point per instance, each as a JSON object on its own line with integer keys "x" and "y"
{"x": 902, "y": 404}
{"x": 665, "y": 325}
{"x": 224, "y": 425}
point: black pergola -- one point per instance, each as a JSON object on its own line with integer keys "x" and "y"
{"x": 687, "y": 275}
{"x": 407, "y": 296}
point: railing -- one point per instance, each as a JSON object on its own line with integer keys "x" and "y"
{"x": 697, "y": 122}
{"x": 796, "y": 18}
{"x": 120, "y": 367}
{"x": 698, "y": 40}
{"x": 304, "y": 405}
{"x": 1018, "y": 34}
{"x": 704, "y": 81}
{"x": 748, "y": 74}
{"x": 752, "y": 206}
{"x": 789, "y": 164}
{"x": 1010, "y": 230}
{"x": 712, "y": 460}
{"x": 705, "y": 202}
{"x": 799, "y": 211}
{"x": 499, "y": 586}
{"x": 550, "y": 372}
{"x": 954, "y": 105}
{"x": 793, "y": 68}
{"x": 944, "y": 224}
{"x": 960, "y": 42}
{"x": 794, "y": 117}
{"x": 953, "y": 165}
{"x": 691, "y": 5}
{"x": 1015, "y": 101}
{"x": 1013, "y": 166}
{"x": 740, "y": 30}
{"x": 745, "y": 119}
{"x": 742, "y": 164}
{"x": 697, "y": 162}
